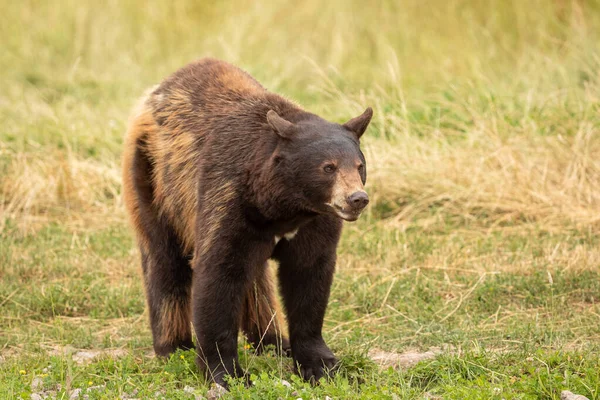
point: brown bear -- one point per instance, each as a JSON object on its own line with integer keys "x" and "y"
{"x": 220, "y": 175}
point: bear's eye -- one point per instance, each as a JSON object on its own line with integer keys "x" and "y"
{"x": 329, "y": 168}
{"x": 361, "y": 168}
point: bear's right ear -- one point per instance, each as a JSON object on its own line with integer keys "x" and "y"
{"x": 359, "y": 124}
{"x": 281, "y": 126}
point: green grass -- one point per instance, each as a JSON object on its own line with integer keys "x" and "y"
{"x": 480, "y": 242}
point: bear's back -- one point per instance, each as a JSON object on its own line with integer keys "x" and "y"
{"x": 209, "y": 80}
{"x": 203, "y": 93}
{"x": 203, "y": 114}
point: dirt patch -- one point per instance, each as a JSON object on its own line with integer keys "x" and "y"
{"x": 403, "y": 360}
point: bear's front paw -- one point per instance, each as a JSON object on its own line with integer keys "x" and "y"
{"x": 314, "y": 371}
{"x": 315, "y": 362}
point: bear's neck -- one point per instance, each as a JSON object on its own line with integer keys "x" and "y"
{"x": 276, "y": 225}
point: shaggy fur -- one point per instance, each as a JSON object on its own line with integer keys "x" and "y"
{"x": 219, "y": 176}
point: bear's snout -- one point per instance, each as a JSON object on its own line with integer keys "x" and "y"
{"x": 358, "y": 200}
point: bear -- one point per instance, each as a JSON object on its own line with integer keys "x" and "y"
{"x": 220, "y": 176}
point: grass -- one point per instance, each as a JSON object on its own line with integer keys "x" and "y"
{"x": 480, "y": 242}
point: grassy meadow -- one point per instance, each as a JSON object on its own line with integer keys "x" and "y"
{"x": 481, "y": 242}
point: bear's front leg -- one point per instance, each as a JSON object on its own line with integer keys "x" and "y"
{"x": 222, "y": 275}
{"x": 307, "y": 264}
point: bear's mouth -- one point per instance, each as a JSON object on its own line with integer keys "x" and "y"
{"x": 346, "y": 215}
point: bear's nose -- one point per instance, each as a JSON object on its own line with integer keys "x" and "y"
{"x": 358, "y": 200}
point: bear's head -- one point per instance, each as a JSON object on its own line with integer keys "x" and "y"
{"x": 321, "y": 162}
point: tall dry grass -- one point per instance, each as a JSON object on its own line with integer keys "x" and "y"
{"x": 484, "y": 111}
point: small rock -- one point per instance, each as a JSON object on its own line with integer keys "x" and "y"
{"x": 37, "y": 384}
{"x": 97, "y": 387}
{"x": 189, "y": 389}
{"x": 294, "y": 393}
{"x": 286, "y": 383}
{"x": 328, "y": 398}
{"x": 35, "y": 396}
{"x": 132, "y": 395}
{"x": 216, "y": 392}
{"x": 566, "y": 395}
{"x": 75, "y": 393}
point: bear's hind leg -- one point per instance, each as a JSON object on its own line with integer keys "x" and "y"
{"x": 262, "y": 316}
{"x": 167, "y": 273}
{"x": 168, "y": 282}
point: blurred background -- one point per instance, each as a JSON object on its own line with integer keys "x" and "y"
{"x": 484, "y": 164}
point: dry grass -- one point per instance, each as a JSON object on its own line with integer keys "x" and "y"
{"x": 37, "y": 190}
{"x": 528, "y": 178}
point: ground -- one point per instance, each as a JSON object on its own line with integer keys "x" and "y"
{"x": 480, "y": 246}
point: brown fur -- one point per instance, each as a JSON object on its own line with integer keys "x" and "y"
{"x": 141, "y": 126}
{"x": 174, "y": 147}
{"x": 175, "y": 321}
{"x": 217, "y": 175}
{"x": 169, "y": 315}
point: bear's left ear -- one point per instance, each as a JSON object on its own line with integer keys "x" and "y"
{"x": 281, "y": 126}
{"x": 359, "y": 124}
